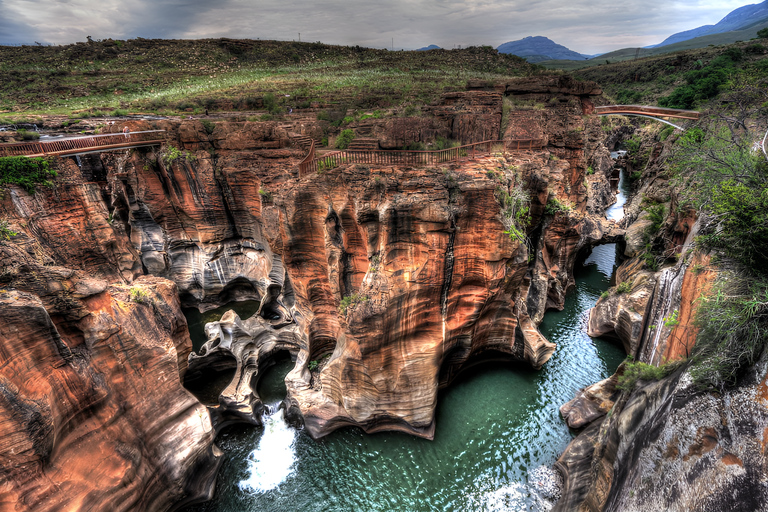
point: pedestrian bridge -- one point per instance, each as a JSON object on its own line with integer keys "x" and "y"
{"x": 82, "y": 145}
{"x": 658, "y": 113}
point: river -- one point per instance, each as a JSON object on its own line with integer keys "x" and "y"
{"x": 498, "y": 432}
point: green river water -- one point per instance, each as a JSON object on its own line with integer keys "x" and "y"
{"x": 498, "y": 431}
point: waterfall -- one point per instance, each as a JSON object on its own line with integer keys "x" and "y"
{"x": 666, "y": 300}
{"x": 272, "y": 462}
{"x": 616, "y": 210}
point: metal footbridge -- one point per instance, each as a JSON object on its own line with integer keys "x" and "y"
{"x": 657, "y": 113}
{"x": 72, "y": 146}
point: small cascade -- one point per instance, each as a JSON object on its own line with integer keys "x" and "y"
{"x": 273, "y": 460}
{"x": 668, "y": 289}
{"x": 79, "y": 162}
{"x": 616, "y": 210}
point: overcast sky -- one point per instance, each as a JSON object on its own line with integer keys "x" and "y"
{"x": 585, "y": 26}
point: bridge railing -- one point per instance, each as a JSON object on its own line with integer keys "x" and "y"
{"x": 647, "y": 110}
{"x": 407, "y": 157}
{"x": 76, "y": 144}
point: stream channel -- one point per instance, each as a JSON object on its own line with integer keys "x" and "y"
{"x": 498, "y": 432}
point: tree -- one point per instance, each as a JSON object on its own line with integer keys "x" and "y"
{"x": 763, "y": 33}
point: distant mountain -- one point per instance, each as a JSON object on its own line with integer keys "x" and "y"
{"x": 738, "y": 19}
{"x": 539, "y": 48}
{"x": 430, "y": 47}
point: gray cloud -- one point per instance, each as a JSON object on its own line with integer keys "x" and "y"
{"x": 587, "y": 26}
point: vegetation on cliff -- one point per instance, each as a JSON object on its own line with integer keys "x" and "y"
{"x": 25, "y": 172}
{"x": 681, "y": 80}
{"x": 723, "y": 172}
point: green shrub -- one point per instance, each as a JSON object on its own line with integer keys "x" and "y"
{"x": 632, "y": 145}
{"x": 312, "y": 366}
{"x": 657, "y": 214}
{"x": 444, "y": 143}
{"x": 5, "y": 232}
{"x": 733, "y": 329}
{"x": 590, "y": 170}
{"x": 26, "y": 172}
{"x": 554, "y": 205}
{"x": 139, "y": 295}
{"x": 637, "y": 371}
{"x": 672, "y": 320}
{"x": 118, "y": 112}
{"x": 763, "y": 33}
{"x": 269, "y": 102}
{"x": 624, "y": 287}
{"x": 208, "y": 126}
{"x": 515, "y": 212}
{"x": 172, "y": 153}
{"x": 344, "y": 138}
{"x": 265, "y": 194}
{"x": 705, "y": 83}
{"x": 27, "y": 135}
{"x": 605, "y": 294}
{"x": 350, "y": 301}
{"x": 666, "y": 132}
{"x": 414, "y": 146}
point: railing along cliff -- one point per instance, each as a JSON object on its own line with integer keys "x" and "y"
{"x": 307, "y": 159}
{"x": 80, "y": 145}
{"x": 407, "y": 157}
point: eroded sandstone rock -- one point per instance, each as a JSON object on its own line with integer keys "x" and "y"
{"x": 92, "y": 410}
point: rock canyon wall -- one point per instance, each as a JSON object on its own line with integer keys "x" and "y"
{"x": 664, "y": 443}
{"x": 382, "y": 282}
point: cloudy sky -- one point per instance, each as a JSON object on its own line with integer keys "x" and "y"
{"x": 585, "y": 26}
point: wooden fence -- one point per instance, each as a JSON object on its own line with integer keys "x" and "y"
{"x": 312, "y": 164}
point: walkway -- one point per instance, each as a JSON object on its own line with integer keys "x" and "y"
{"x": 312, "y": 163}
{"x": 82, "y": 145}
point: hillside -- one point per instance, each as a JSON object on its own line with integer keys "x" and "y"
{"x": 181, "y": 75}
{"x": 738, "y": 19}
{"x": 625, "y": 54}
{"x": 653, "y": 80}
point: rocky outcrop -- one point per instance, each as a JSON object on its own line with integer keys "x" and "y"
{"x": 707, "y": 449}
{"x": 623, "y": 312}
{"x": 592, "y": 402}
{"x": 92, "y": 409}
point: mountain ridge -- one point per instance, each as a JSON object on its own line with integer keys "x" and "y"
{"x": 539, "y": 48}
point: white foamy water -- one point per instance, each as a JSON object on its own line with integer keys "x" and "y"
{"x": 271, "y": 463}
{"x": 539, "y": 495}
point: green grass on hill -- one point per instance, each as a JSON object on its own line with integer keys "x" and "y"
{"x": 624, "y": 54}
{"x": 685, "y": 79}
{"x": 181, "y": 75}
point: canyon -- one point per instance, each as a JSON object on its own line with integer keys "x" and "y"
{"x": 381, "y": 283}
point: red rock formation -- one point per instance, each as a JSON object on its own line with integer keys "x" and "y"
{"x": 396, "y": 278}
{"x": 92, "y": 411}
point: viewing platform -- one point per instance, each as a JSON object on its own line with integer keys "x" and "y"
{"x": 313, "y": 163}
